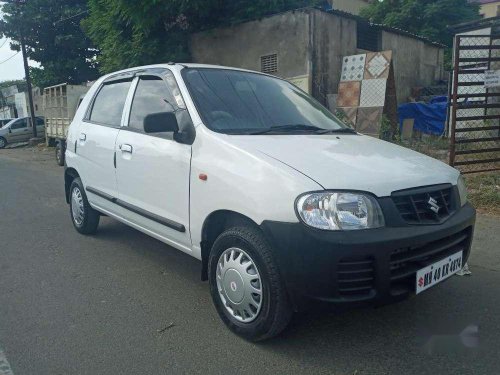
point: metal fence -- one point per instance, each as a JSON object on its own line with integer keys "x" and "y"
{"x": 475, "y": 104}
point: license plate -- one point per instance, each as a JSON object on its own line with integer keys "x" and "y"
{"x": 439, "y": 271}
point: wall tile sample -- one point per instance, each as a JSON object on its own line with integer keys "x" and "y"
{"x": 353, "y": 68}
{"x": 373, "y": 92}
{"x": 349, "y": 94}
{"x": 377, "y": 64}
{"x": 368, "y": 121}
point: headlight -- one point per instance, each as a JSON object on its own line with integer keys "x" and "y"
{"x": 340, "y": 211}
{"x": 462, "y": 190}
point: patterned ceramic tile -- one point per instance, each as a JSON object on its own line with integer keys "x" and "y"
{"x": 368, "y": 121}
{"x": 348, "y": 94}
{"x": 373, "y": 92}
{"x": 350, "y": 113}
{"x": 353, "y": 68}
{"x": 378, "y": 64}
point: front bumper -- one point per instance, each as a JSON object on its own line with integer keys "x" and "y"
{"x": 368, "y": 267}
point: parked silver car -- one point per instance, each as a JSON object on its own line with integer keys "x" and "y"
{"x": 20, "y": 130}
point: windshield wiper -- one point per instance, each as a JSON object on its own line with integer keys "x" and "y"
{"x": 301, "y": 128}
{"x": 339, "y": 131}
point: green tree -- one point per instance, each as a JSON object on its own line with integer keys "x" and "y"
{"x": 429, "y": 18}
{"x": 137, "y": 32}
{"x": 53, "y": 38}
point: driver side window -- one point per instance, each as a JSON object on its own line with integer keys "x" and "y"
{"x": 19, "y": 124}
{"x": 151, "y": 96}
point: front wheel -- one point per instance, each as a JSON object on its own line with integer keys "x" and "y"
{"x": 3, "y": 142}
{"x": 247, "y": 289}
{"x": 85, "y": 219}
{"x": 60, "y": 154}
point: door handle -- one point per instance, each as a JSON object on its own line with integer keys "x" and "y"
{"x": 83, "y": 136}
{"x": 126, "y": 148}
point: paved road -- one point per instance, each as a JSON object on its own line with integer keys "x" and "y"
{"x": 96, "y": 305}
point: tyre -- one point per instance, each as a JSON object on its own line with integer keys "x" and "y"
{"x": 60, "y": 153}
{"x": 246, "y": 287}
{"x": 3, "y": 142}
{"x": 84, "y": 218}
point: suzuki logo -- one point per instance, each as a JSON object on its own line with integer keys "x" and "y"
{"x": 433, "y": 206}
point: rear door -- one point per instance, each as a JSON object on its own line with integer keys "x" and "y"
{"x": 153, "y": 169}
{"x": 96, "y": 142}
{"x": 40, "y": 126}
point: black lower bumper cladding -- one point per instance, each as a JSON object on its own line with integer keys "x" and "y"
{"x": 366, "y": 267}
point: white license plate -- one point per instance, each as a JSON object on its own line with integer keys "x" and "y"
{"x": 439, "y": 271}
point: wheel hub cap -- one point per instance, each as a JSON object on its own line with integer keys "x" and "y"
{"x": 239, "y": 285}
{"x": 77, "y": 209}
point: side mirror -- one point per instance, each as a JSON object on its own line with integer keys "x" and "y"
{"x": 161, "y": 123}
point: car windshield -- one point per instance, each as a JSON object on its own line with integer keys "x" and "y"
{"x": 237, "y": 102}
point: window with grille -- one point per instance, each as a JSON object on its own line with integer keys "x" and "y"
{"x": 269, "y": 63}
{"x": 368, "y": 37}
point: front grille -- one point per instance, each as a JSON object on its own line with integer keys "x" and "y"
{"x": 355, "y": 276}
{"x": 405, "y": 262}
{"x": 416, "y": 207}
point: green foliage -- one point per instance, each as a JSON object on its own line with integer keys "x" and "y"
{"x": 53, "y": 38}
{"x": 389, "y": 131}
{"x": 139, "y": 32}
{"x": 429, "y": 18}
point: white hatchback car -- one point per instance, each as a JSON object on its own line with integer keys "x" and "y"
{"x": 283, "y": 204}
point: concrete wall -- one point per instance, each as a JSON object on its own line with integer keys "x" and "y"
{"x": 333, "y": 38}
{"x": 316, "y": 54}
{"x": 351, "y": 6}
{"x": 242, "y": 45}
{"x": 490, "y": 9}
{"x": 416, "y": 63}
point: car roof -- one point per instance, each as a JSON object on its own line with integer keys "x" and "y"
{"x": 179, "y": 67}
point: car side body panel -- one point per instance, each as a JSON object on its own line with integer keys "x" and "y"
{"x": 253, "y": 185}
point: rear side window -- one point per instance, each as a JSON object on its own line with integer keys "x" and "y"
{"x": 152, "y": 96}
{"x": 109, "y": 103}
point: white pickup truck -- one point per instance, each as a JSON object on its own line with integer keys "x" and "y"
{"x": 283, "y": 203}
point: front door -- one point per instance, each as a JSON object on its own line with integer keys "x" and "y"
{"x": 19, "y": 131}
{"x": 153, "y": 170}
{"x": 96, "y": 143}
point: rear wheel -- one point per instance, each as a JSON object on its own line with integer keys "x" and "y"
{"x": 85, "y": 219}
{"x": 3, "y": 142}
{"x": 245, "y": 284}
{"x": 60, "y": 153}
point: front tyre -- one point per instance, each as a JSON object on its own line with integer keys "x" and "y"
{"x": 3, "y": 142}
{"x": 60, "y": 153}
{"x": 85, "y": 219}
{"x": 247, "y": 289}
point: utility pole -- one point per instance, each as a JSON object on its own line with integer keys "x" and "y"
{"x": 26, "y": 69}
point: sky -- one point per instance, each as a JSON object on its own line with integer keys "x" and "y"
{"x": 12, "y": 69}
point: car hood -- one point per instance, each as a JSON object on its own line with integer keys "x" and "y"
{"x": 351, "y": 162}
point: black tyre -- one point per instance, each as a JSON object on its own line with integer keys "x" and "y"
{"x": 60, "y": 149}
{"x": 246, "y": 287}
{"x": 84, "y": 218}
{"x": 3, "y": 142}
